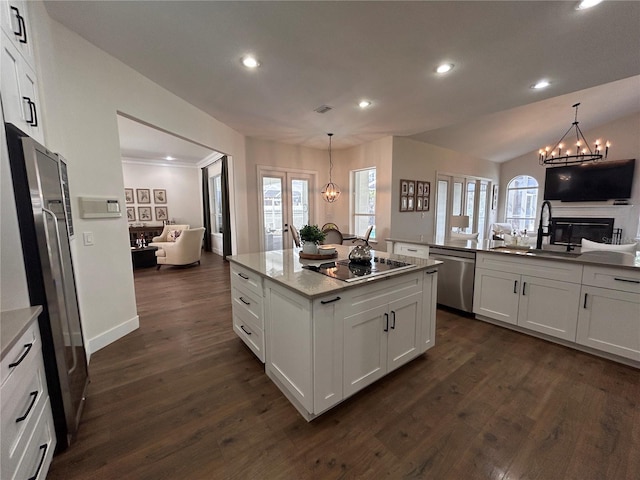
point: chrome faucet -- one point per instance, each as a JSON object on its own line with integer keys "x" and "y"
{"x": 540, "y": 232}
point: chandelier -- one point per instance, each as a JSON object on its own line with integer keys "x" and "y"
{"x": 331, "y": 191}
{"x": 583, "y": 153}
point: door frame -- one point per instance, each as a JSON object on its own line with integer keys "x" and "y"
{"x": 287, "y": 174}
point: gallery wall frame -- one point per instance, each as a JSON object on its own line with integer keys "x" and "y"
{"x": 162, "y": 214}
{"x": 143, "y": 195}
{"x": 128, "y": 195}
{"x": 414, "y": 195}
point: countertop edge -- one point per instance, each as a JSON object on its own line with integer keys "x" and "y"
{"x": 13, "y": 324}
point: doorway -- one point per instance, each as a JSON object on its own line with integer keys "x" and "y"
{"x": 286, "y": 200}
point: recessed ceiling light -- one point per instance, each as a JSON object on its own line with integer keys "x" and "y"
{"x": 540, "y": 85}
{"x": 444, "y": 68}
{"x": 169, "y": 157}
{"x": 584, "y": 4}
{"x": 250, "y": 61}
{"x": 364, "y": 103}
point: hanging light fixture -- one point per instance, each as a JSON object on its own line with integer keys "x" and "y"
{"x": 331, "y": 191}
{"x": 558, "y": 155}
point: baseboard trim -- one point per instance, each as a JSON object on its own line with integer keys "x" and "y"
{"x": 115, "y": 333}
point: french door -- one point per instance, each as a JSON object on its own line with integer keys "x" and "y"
{"x": 461, "y": 196}
{"x": 285, "y": 199}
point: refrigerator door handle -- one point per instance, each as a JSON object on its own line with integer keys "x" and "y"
{"x": 64, "y": 294}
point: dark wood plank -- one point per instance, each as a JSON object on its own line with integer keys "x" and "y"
{"x": 182, "y": 397}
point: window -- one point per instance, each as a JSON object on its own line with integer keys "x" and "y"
{"x": 522, "y": 201}
{"x": 364, "y": 201}
{"x": 216, "y": 204}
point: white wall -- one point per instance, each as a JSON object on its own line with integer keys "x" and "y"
{"x": 83, "y": 89}
{"x": 415, "y": 160}
{"x": 624, "y": 135}
{"x": 183, "y": 185}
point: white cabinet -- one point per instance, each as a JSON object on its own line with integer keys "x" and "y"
{"x": 14, "y": 20}
{"x": 538, "y": 295}
{"x": 411, "y": 249}
{"x": 28, "y": 436}
{"x": 322, "y": 350}
{"x": 247, "y": 309}
{"x": 609, "y": 317}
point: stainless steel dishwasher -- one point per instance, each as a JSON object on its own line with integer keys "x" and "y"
{"x": 455, "y": 277}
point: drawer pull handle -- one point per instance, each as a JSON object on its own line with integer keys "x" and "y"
{"x": 34, "y": 396}
{"x": 26, "y": 352}
{"x": 515, "y": 286}
{"x": 386, "y": 322}
{"x": 324, "y": 302}
{"x": 524, "y": 288}
{"x": 430, "y": 272}
{"x": 43, "y": 447}
{"x": 242, "y": 275}
{"x": 412, "y": 249}
{"x": 584, "y": 305}
{"x": 244, "y": 301}
{"x": 245, "y": 330}
{"x": 393, "y": 320}
{"x": 625, "y": 280}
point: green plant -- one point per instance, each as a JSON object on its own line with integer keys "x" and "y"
{"x": 311, "y": 233}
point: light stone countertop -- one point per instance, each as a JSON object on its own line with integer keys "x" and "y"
{"x": 285, "y": 267}
{"x": 13, "y": 323}
{"x": 599, "y": 258}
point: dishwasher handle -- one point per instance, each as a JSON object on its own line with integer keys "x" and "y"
{"x": 436, "y": 256}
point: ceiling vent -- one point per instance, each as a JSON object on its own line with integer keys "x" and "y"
{"x": 323, "y": 109}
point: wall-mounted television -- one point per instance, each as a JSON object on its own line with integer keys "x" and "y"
{"x": 590, "y": 182}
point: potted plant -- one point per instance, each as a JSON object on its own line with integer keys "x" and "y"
{"x": 311, "y": 235}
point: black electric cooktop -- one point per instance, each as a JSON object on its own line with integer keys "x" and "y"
{"x": 350, "y": 271}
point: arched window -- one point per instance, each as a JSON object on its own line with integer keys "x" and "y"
{"x": 522, "y": 199}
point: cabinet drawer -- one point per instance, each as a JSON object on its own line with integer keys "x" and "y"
{"x": 20, "y": 354}
{"x": 613, "y": 278}
{"x": 251, "y": 281}
{"x": 39, "y": 452}
{"x": 411, "y": 250}
{"x": 23, "y": 397}
{"x": 560, "y": 270}
{"x": 248, "y": 306}
{"x": 252, "y": 336}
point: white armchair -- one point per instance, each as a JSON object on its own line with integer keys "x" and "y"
{"x": 184, "y": 251}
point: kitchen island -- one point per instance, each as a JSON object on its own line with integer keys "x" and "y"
{"x": 323, "y": 339}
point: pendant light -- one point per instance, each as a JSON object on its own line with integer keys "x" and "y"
{"x": 331, "y": 191}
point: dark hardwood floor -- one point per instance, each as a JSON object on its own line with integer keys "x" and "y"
{"x": 183, "y": 398}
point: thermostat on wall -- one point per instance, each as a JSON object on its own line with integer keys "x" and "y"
{"x": 95, "y": 207}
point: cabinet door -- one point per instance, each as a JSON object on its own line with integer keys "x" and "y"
{"x": 549, "y": 306}
{"x": 496, "y": 295}
{"x": 609, "y": 320}
{"x": 365, "y": 348}
{"x": 429, "y": 299}
{"x": 15, "y": 22}
{"x": 404, "y": 330}
{"x": 20, "y": 99}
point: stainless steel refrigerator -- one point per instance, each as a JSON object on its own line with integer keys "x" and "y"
{"x": 44, "y": 218}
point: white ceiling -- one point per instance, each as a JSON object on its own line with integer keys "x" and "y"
{"x": 336, "y": 53}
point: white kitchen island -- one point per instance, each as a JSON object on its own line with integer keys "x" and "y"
{"x": 323, "y": 339}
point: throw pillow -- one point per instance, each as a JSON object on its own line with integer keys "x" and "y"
{"x": 173, "y": 235}
{"x": 589, "y": 246}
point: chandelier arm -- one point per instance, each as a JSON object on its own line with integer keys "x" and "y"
{"x": 561, "y": 138}
{"x": 580, "y": 135}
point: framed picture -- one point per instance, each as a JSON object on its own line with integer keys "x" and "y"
{"x": 144, "y": 214}
{"x": 131, "y": 214}
{"x": 404, "y": 187}
{"x": 420, "y": 186}
{"x": 427, "y": 189}
{"x": 412, "y": 188}
{"x": 128, "y": 195}
{"x": 410, "y": 206}
{"x": 425, "y": 204}
{"x": 419, "y": 200}
{"x": 494, "y": 200}
{"x": 159, "y": 196}
{"x": 144, "y": 196}
{"x": 403, "y": 203}
{"x": 161, "y": 214}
